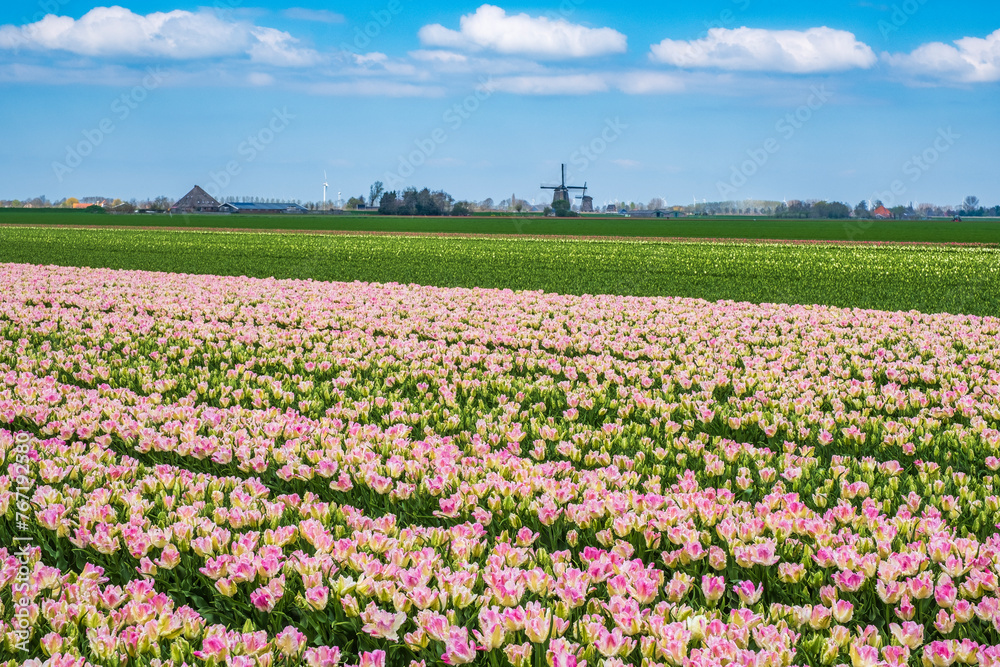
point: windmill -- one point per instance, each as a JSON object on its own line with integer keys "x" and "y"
{"x": 562, "y": 191}
{"x": 325, "y": 186}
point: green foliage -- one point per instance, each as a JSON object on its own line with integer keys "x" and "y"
{"x": 563, "y": 209}
{"x": 715, "y": 227}
{"x": 416, "y": 202}
{"x": 929, "y": 279}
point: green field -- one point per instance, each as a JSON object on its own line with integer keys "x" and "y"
{"x": 929, "y": 279}
{"x": 922, "y": 231}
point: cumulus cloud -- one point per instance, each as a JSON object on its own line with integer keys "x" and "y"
{"x": 274, "y": 47}
{"x": 971, "y": 60}
{"x": 491, "y": 28}
{"x": 180, "y": 35}
{"x": 814, "y": 50}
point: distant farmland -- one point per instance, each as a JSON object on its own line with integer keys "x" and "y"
{"x": 983, "y": 231}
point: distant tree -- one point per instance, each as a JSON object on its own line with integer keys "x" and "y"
{"x": 861, "y": 210}
{"x": 354, "y": 203}
{"x": 781, "y": 210}
{"x": 898, "y": 212}
{"x": 161, "y": 203}
{"x": 876, "y": 204}
{"x": 656, "y": 204}
{"x": 795, "y": 209}
{"x": 70, "y": 202}
{"x": 996, "y": 211}
{"x": 486, "y": 204}
{"x": 971, "y": 203}
{"x": 375, "y": 193}
{"x": 519, "y": 206}
{"x": 547, "y": 211}
{"x": 16, "y": 203}
{"x": 563, "y": 209}
{"x": 389, "y": 203}
{"x": 830, "y": 210}
{"x": 462, "y": 208}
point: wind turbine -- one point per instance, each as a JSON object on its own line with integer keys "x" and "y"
{"x": 325, "y": 186}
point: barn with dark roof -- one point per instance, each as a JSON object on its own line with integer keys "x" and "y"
{"x": 196, "y": 201}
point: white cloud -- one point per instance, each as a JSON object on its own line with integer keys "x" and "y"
{"x": 972, "y": 60}
{"x": 491, "y": 28}
{"x": 371, "y": 88}
{"x": 648, "y": 83}
{"x": 367, "y": 59}
{"x": 627, "y": 164}
{"x": 277, "y": 48}
{"x": 179, "y": 35}
{"x": 814, "y": 50}
{"x": 260, "y": 79}
{"x": 438, "y": 56}
{"x": 559, "y": 84}
{"x": 315, "y": 15}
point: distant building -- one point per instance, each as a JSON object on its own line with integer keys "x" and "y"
{"x": 196, "y": 201}
{"x": 587, "y": 205}
{"x": 88, "y": 204}
{"x": 251, "y": 208}
{"x": 659, "y": 213}
{"x": 882, "y": 213}
{"x": 611, "y": 208}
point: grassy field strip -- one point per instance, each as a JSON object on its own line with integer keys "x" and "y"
{"x": 929, "y": 279}
{"x": 971, "y": 231}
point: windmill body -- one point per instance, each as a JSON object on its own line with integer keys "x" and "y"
{"x": 561, "y": 192}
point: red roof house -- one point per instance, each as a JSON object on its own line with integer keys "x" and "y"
{"x": 882, "y": 213}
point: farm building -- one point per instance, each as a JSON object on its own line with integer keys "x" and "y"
{"x": 659, "y": 213}
{"x": 882, "y": 213}
{"x": 247, "y": 207}
{"x": 196, "y": 201}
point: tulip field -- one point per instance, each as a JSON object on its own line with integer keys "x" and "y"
{"x": 203, "y": 470}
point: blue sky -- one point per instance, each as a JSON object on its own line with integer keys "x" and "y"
{"x": 726, "y": 99}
